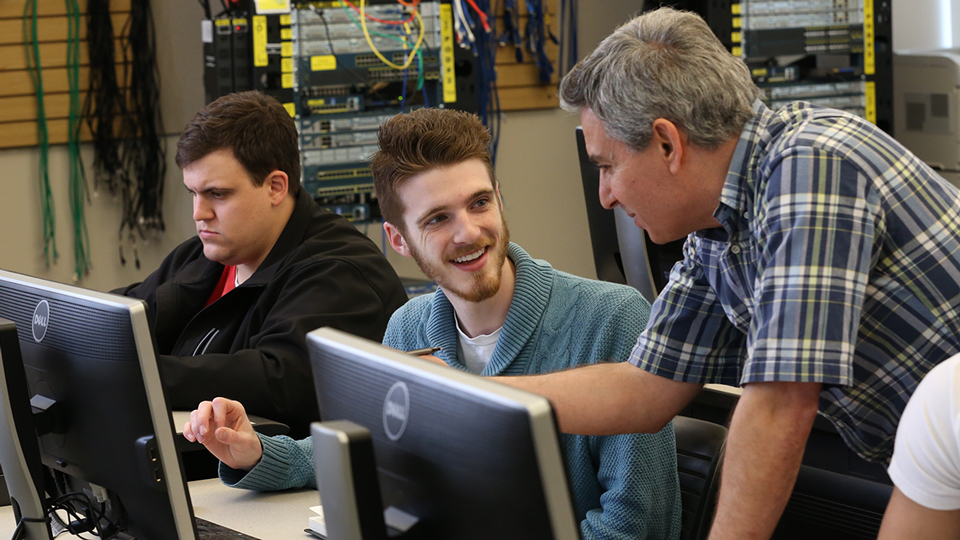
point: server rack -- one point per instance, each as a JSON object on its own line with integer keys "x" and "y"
{"x": 319, "y": 61}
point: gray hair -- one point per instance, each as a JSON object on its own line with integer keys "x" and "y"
{"x": 663, "y": 64}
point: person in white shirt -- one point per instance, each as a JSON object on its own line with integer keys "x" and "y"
{"x": 925, "y": 468}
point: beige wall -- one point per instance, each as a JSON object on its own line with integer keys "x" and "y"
{"x": 537, "y": 168}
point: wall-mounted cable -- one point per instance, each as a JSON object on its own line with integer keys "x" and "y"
{"x": 77, "y": 179}
{"x": 50, "y": 254}
{"x": 144, "y": 148}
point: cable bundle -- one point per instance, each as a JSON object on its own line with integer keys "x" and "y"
{"x": 568, "y": 36}
{"x": 478, "y": 36}
{"x": 130, "y": 152}
{"x": 43, "y": 136}
{"x": 77, "y": 179}
{"x": 404, "y": 32}
{"x": 535, "y": 37}
{"x": 83, "y": 514}
{"x": 489, "y": 96}
{"x": 104, "y": 105}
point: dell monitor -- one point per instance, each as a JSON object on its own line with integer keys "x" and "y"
{"x": 622, "y": 252}
{"x": 462, "y": 456}
{"x": 105, "y": 436}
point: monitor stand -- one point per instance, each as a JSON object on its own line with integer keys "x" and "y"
{"x": 349, "y": 489}
{"x": 19, "y": 449}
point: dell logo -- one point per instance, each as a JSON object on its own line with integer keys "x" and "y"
{"x": 41, "y": 318}
{"x": 396, "y": 410}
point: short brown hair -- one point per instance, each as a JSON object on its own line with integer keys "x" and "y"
{"x": 422, "y": 140}
{"x": 255, "y": 127}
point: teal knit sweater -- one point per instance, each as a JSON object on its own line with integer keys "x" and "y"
{"x": 624, "y": 486}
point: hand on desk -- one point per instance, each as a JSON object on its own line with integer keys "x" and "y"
{"x": 223, "y": 428}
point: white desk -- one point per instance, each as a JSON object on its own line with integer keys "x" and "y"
{"x": 269, "y": 516}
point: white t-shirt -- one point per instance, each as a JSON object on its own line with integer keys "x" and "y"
{"x": 477, "y": 351}
{"x": 926, "y": 455}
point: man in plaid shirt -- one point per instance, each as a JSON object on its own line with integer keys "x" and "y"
{"x": 821, "y": 268}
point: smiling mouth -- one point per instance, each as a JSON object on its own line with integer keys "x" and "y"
{"x": 470, "y": 256}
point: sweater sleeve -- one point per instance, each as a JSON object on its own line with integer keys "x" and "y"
{"x": 286, "y": 464}
{"x": 636, "y": 474}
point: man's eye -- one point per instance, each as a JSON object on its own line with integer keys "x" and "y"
{"x": 436, "y": 219}
{"x": 482, "y": 202}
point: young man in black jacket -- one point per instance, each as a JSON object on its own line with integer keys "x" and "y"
{"x": 230, "y": 308}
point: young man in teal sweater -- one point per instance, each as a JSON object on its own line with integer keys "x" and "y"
{"x": 497, "y": 312}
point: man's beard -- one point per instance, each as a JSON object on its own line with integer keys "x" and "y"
{"x": 483, "y": 286}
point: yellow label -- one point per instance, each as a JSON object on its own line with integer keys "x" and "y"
{"x": 222, "y": 22}
{"x": 239, "y": 22}
{"x": 286, "y": 33}
{"x": 735, "y": 9}
{"x": 286, "y": 80}
{"x": 316, "y": 102}
{"x": 291, "y": 109}
{"x": 737, "y": 22}
{"x": 871, "y": 108}
{"x": 286, "y": 65}
{"x": 273, "y": 5}
{"x": 286, "y": 49}
{"x": 737, "y": 51}
{"x": 285, "y": 19}
{"x": 736, "y": 37}
{"x": 260, "y": 58}
{"x": 446, "y": 54}
{"x": 759, "y": 72}
{"x": 326, "y": 62}
{"x": 869, "y": 53}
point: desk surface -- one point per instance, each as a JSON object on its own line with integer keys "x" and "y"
{"x": 270, "y": 516}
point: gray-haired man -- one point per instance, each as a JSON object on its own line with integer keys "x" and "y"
{"x": 820, "y": 268}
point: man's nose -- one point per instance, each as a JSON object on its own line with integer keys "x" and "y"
{"x": 468, "y": 230}
{"x": 606, "y": 194}
{"x": 201, "y": 209}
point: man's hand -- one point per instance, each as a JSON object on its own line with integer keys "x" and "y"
{"x": 223, "y": 428}
{"x": 767, "y": 438}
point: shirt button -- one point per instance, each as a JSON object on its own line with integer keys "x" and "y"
{"x": 735, "y": 249}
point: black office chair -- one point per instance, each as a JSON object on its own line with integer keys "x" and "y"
{"x": 700, "y": 447}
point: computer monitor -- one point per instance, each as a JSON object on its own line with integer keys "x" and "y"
{"x": 622, "y": 252}
{"x": 469, "y": 458}
{"x": 89, "y": 362}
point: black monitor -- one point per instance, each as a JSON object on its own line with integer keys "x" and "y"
{"x": 105, "y": 436}
{"x": 622, "y": 252}
{"x": 466, "y": 457}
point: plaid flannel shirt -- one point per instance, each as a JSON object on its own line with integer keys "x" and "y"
{"x": 838, "y": 261}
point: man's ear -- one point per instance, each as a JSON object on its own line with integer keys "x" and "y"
{"x": 395, "y": 237}
{"x": 279, "y": 185}
{"x": 670, "y": 142}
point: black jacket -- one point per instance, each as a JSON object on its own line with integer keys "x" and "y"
{"x": 250, "y": 345}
